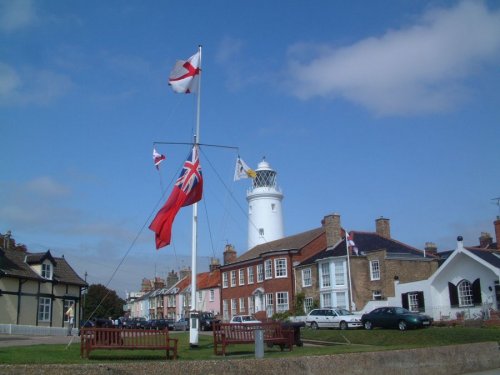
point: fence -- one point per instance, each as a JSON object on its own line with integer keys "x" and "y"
{"x": 14, "y": 329}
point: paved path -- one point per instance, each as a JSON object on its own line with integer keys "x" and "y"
{"x": 20, "y": 340}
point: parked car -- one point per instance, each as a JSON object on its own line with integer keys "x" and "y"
{"x": 137, "y": 323}
{"x": 181, "y": 325}
{"x": 206, "y": 320}
{"x": 333, "y": 318}
{"x": 244, "y": 319}
{"x": 159, "y": 324}
{"x": 395, "y": 317}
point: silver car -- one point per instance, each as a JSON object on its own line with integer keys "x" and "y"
{"x": 333, "y": 318}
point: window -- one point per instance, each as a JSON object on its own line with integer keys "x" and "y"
{"x": 465, "y": 293}
{"x": 413, "y": 302}
{"x": 339, "y": 274}
{"x": 66, "y": 305}
{"x": 225, "y": 310}
{"x": 260, "y": 273}
{"x": 308, "y": 304}
{"x": 273, "y": 207}
{"x": 250, "y": 275}
{"x": 212, "y": 295}
{"x": 242, "y": 304}
{"x": 233, "y": 278}
{"x": 269, "y": 305}
{"x": 327, "y": 300}
{"x": 233, "y": 307}
{"x": 261, "y": 232}
{"x": 376, "y": 295}
{"x": 251, "y": 309}
{"x": 374, "y": 270}
{"x": 44, "y": 305}
{"x": 242, "y": 276}
{"x": 224, "y": 280}
{"x": 306, "y": 277}
{"x": 46, "y": 271}
{"x": 281, "y": 301}
{"x": 200, "y": 296}
{"x": 268, "y": 265}
{"x": 341, "y": 300}
{"x": 325, "y": 275}
{"x": 280, "y": 267}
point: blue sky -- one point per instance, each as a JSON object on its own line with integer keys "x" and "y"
{"x": 366, "y": 109}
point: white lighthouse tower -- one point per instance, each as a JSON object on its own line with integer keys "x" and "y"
{"x": 265, "y": 216}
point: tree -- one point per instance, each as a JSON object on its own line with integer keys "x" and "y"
{"x": 101, "y": 302}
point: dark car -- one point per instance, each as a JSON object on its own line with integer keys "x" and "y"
{"x": 395, "y": 317}
{"x": 206, "y": 320}
{"x": 159, "y": 324}
{"x": 181, "y": 325}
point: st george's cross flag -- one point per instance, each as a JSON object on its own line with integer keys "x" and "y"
{"x": 187, "y": 190}
{"x": 185, "y": 75}
{"x": 157, "y": 158}
{"x": 242, "y": 170}
{"x": 350, "y": 242}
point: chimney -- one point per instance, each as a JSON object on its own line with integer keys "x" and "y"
{"x": 383, "y": 227}
{"x": 214, "y": 264}
{"x": 485, "y": 240}
{"x": 497, "y": 231}
{"x": 146, "y": 285}
{"x": 229, "y": 254}
{"x": 430, "y": 249}
{"x": 331, "y": 224}
{"x": 158, "y": 283}
{"x": 172, "y": 278}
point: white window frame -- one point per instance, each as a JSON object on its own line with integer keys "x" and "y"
{"x": 234, "y": 306}
{"x": 374, "y": 269}
{"x": 308, "y": 304}
{"x": 242, "y": 304}
{"x": 241, "y": 278}
{"x": 225, "y": 309}
{"x": 413, "y": 302}
{"x": 306, "y": 277}
{"x": 282, "y": 302}
{"x": 268, "y": 269}
{"x": 250, "y": 275}
{"x": 211, "y": 297}
{"x": 66, "y": 305}
{"x": 46, "y": 271}
{"x": 340, "y": 274}
{"x": 44, "y": 309}
{"x": 225, "y": 282}
{"x": 251, "y": 307}
{"x": 280, "y": 268}
{"x": 260, "y": 273}
{"x": 268, "y": 300}
{"x": 377, "y": 295}
{"x": 465, "y": 295}
{"x": 233, "y": 278}
{"x": 326, "y": 300}
{"x": 341, "y": 300}
{"x": 325, "y": 275}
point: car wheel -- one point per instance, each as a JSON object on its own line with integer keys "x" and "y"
{"x": 314, "y": 325}
{"x": 343, "y": 325}
{"x": 402, "y": 325}
{"x": 368, "y": 325}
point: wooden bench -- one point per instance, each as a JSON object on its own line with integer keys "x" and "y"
{"x": 227, "y": 333}
{"x": 126, "y": 339}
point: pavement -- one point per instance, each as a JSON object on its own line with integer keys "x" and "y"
{"x": 20, "y": 340}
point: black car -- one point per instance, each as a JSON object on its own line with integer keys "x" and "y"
{"x": 395, "y": 317}
{"x": 160, "y": 324}
{"x": 206, "y": 320}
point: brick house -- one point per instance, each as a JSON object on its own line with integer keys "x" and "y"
{"x": 36, "y": 289}
{"x": 375, "y": 261}
{"x": 262, "y": 280}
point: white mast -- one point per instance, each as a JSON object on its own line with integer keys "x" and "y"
{"x": 351, "y": 303}
{"x": 193, "y": 321}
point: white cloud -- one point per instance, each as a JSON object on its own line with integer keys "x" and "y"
{"x": 16, "y": 14}
{"x": 419, "y": 69}
{"x": 30, "y": 86}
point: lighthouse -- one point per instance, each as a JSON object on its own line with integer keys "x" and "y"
{"x": 265, "y": 216}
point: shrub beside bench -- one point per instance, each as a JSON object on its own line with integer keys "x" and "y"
{"x": 229, "y": 333}
{"x": 126, "y": 339}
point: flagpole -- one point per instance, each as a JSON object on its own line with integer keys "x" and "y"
{"x": 351, "y": 303}
{"x": 194, "y": 321}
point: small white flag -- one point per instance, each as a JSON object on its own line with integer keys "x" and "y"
{"x": 242, "y": 170}
{"x": 185, "y": 75}
{"x": 157, "y": 158}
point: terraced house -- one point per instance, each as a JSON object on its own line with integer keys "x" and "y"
{"x": 36, "y": 289}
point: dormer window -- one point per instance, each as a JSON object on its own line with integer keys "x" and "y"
{"x": 46, "y": 271}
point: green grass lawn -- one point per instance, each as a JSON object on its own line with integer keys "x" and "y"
{"x": 342, "y": 342}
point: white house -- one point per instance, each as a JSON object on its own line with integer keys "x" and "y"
{"x": 466, "y": 285}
